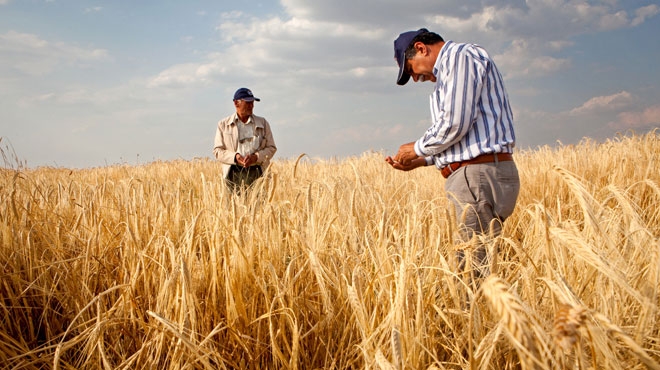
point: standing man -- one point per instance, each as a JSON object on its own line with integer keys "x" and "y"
{"x": 471, "y": 137}
{"x": 243, "y": 142}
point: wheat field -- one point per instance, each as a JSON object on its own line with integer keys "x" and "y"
{"x": 330, "y": 264}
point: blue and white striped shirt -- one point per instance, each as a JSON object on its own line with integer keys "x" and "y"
{"x": 469, "y": 108}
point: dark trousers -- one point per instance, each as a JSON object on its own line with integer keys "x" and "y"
{"x": 242, "y": 177}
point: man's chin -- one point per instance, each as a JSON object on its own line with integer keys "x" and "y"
{"x": 425, "y": 78}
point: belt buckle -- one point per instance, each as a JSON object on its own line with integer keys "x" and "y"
{"x": 450, "y": 168}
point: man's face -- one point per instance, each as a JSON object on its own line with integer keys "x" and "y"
{"x": 420, "y": 67}
{"x": 244, "y": 108}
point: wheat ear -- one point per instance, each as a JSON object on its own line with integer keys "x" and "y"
{"x": 635, "y": 348}
{"x": 510, "y": 310}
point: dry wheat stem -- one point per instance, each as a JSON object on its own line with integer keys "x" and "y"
{"x": 323, "y": 263}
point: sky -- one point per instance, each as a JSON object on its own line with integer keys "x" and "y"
{"x": 96, "y": 83}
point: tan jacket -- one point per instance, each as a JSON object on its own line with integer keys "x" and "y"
{"x": 226, "y": 142}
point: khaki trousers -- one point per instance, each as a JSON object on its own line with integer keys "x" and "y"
{"x": 483, "y": 195}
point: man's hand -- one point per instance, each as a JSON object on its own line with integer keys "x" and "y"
{"x": 406, "y": 154}
{"x": 251, "y": 159}
{"x": 239, "y": 159}
{"x": 246, "y": 161}
{"x": 406, "y": 159}
{"x": 417, "y": 162}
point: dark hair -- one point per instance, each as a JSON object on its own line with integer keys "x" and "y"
{"x": 427, "y": 38}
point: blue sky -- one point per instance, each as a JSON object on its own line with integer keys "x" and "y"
{"x": 96, "y": 83}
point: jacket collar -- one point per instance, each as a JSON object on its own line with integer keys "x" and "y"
{"x": 235, "y": 120}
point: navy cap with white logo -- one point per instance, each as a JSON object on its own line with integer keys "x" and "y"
{"x": 400, "y": 46}
{"x": 245, "y": 94}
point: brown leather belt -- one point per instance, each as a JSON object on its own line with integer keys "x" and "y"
{"x": 484, "y": 158}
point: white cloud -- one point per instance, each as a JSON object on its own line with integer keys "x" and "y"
{"x": 478, "y": 22}
{"x": 523, "y": 60}
{"x": 134, "y": 93}
{"x": 37, "y": 99}
{"x": 280, "y": 49}
{"x": 644, "y": 13}
{"x": 359, "y": 72}
{"x": 645, "y": 119}
{"x": 94, "y": 9}
{"x": 607, "y": 103}
{"x": 537, "y": 29}
{"x": 558, "y": 45}
{"x": 183, "y": 75}
{"x": 546, "y": 19}
{"x": 293, "y": 29}
{"x": 321, "y": 33}
{"x": 30, "y": 54}
{"x": 324, "y": 71}
{"x": 613, "y": 21}
{"x": 365, "y": 11}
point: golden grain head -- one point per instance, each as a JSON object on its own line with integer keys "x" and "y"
{"x": 567, "y": 323}
{"x": 159, "y": 266}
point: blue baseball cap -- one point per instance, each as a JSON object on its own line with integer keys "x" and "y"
{"x": 400, "y": 46}
{"x": 245, "y": 94}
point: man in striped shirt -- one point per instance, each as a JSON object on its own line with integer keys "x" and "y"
{"x": 471, "y": 137}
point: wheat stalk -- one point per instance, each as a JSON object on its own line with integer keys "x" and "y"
{"x": 566, "y": 326}
{"x": 512, "y": 313}
{"x": 631, "y": 345}
{"x": 397, "y": 348}
{"x": 382, "y": 361}
{"x": 235, "y": 285}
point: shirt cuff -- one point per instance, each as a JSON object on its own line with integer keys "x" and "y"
{"x": 418, "y": 150}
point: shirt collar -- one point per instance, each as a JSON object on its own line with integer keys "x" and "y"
{"x": 445, "y": 47}
{"x": 237, "y": 120}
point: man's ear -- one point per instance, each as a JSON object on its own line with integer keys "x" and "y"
{"x": 421, "y": 47}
